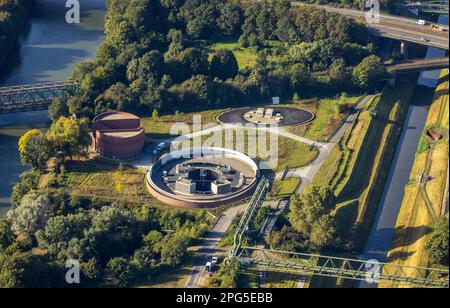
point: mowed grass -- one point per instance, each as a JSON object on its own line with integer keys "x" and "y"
{"x": 357, "y": 168}
{"x": 414, "y": 221}
{"x": 337, "y": 169}
{"x": 286, "y": 188}
{"x": 163, "y": 126}
{"x": 328, "y": 117}
{"x": 279, "y": 151}
{"x": 247, "y": 56}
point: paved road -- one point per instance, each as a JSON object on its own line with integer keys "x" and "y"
{"x": 399, "y": 28}
{"x": 209, "y": 247}
{"x": 308, "y": 173}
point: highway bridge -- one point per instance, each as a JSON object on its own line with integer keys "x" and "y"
{"x": 34, "y": 96}
{"x": 418, "y": 65}
{"x": 432, "y": 7}
{"x": 398, "y": 28}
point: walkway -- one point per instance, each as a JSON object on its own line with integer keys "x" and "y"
{"x": 209, "y": 247}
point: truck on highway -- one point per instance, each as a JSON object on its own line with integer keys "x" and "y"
{"x": 421, "y": 22}
{"x": 437, "y": 28}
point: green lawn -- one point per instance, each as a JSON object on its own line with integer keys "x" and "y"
{"x": 285, "y": 153}
{"x": 160, "y": 127}
{"x": 328, "y": 118}
{"x": 284, "y": 188}
{"x": 357, "y": 168}
{"x": 245, "y": 57}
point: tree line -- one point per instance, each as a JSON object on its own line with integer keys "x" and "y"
{"x": 115, "y": 247}
{"x": 13, "y": 16}
{"x": 154, "y": 57}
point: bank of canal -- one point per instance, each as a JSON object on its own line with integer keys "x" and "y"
{"x": 382, "y": 233}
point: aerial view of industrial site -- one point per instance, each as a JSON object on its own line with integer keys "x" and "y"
{"x": 215, "y": 152}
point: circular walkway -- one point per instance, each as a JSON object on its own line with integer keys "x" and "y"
{"x": 291, "y": 116}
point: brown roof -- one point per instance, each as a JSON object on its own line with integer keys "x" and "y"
{"x": 115, "y": 116}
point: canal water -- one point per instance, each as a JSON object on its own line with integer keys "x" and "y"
{"x": 50, "y": 48}
{"x": 382, "y": 233}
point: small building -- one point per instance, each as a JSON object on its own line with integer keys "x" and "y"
{"x": 185, "y": 186}
{"x": 118, "y": 135}
{"x": 220, "y": 187}
{"x": 434, "y": 135}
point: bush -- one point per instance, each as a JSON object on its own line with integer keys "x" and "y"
{"x": 437, "y": 242}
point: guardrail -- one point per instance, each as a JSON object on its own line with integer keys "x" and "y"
{"x": 253, "y": 208}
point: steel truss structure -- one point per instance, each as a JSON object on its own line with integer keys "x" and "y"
{"x": 252, "y": 209}
{"x": 344, "y": 268}
{"x": 34, "y": 96}
{"x": 337, "y": 267}
{"x": 433, "y": 7}
{"x": 419, "y": 65}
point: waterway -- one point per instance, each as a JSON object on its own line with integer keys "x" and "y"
{"x": 382, "y": 233}
{"x": 50, "y": 48}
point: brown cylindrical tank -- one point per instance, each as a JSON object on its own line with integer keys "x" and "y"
{"x": 118, "y": 135}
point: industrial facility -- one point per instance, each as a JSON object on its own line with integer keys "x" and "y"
{"x": 202, "y": 177}
{"x": 118, "y": 136}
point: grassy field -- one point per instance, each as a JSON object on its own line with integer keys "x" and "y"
{"x": 247, "y": 57}
{"x": 358, "y": 167}
{"x": 160, "y": 127}
{"x": 171, "y": 278}
{"x": 284, "y": 151}
{"x": 415, "y": 219}
{"x": 283, "y": 189}
{"x": 106, "y": 182}
{"x": 328, "y": 117}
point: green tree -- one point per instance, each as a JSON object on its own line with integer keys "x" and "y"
{"x": 339, "y": 73}
{"x": 173, "y": 249}
{"x": 31, "y": 216}
{"x": 34, "y": 149}
{"x": 25, "y": 270}
{"x": 29, "y": 181}
{"x": 224, "y": 64}
{"x": 309, "y": 215}
{"x": 229, "y": 273}
{"x": 70, "y": 137}
{"x": 437, "y": 242}
{"x": 121, "y": 271}
{"x": 58, "y": 108}
{"x": 369, "y": 72}
{"x": 6, "y": 235}
{"x": 231, "y": 19}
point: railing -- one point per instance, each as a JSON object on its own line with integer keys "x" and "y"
{"x": 34, "y": 96}
{"x": 344, "y": 268}
{"x": 253, "y": 208}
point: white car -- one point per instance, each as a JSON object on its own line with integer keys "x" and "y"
{"x": 421, "y": 22}
{"x": 159, "y": 148}
{"x": 214, "y": 260}
{"x": 209, "y": 266}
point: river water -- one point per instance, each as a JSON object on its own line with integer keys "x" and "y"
{"x": 50, "y": 49}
